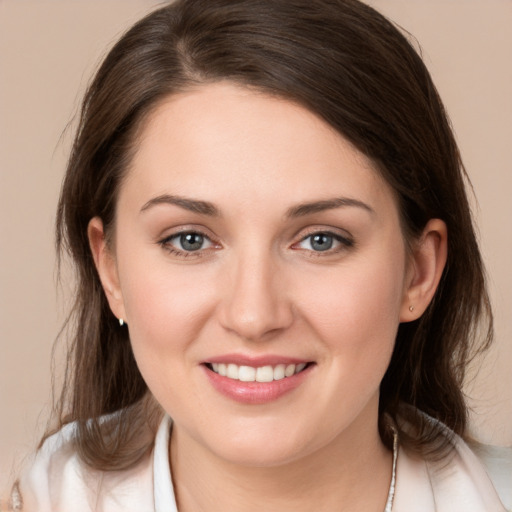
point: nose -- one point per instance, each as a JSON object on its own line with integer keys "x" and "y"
{"x": 255, "y": 303}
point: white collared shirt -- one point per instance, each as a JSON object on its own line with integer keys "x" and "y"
{"x": 58, "y": 481}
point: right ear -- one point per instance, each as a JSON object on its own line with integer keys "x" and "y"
{"x": 106, "y": 266}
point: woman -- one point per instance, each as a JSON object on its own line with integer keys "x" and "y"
{"x": 266, "y": 208}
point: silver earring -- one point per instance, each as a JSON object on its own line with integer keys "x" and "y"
{"x": 121, "y": 322}
{"x": 411, "y": 308}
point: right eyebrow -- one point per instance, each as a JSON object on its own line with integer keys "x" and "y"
{"x": 192, "y": 205}
{"x": 304, "y": 209}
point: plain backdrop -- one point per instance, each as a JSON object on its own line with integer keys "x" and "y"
{"x": 48, "y": 51}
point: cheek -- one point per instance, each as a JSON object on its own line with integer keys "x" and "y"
{"x": 356, "y": 317}
{"x": 166, "y": 315}
{"x": 356, "y": 308}
{"x": 366, "y": 295}
{"x": 166, "y": 308}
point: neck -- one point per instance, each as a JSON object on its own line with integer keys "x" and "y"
{"x": 353, "y": 472}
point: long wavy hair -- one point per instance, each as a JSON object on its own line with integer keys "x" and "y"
{"x": 352, "y": 67}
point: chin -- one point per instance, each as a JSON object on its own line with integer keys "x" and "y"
{"x": 260, "y": 447}
{"x": 256, "y": 456}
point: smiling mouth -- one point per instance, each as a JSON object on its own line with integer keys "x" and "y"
{"x": 266, "y": 373}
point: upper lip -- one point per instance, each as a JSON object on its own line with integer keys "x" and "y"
{"x": 256, "y": 361}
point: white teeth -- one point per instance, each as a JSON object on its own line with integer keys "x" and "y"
{"x": 261, "y": 374}
{"x": 300, "y": 367}
{"x": 246, "y": 373}
{"x": 232, "y": 371}
{"x": 265, "y": 374}
{"x": 279, "y": 372}
{"x": 289, "y": 370}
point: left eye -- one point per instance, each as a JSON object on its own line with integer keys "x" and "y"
{"x": 320, "y": 242}
{"x": 189, "y": 241}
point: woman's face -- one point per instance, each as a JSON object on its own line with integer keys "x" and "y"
{"x": 252, "y": 239}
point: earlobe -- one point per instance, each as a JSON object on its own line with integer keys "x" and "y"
{"x": 106, "y": 266}
{"x": 428, "y": 260}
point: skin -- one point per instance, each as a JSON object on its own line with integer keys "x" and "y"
{"x": 257, "y": 286}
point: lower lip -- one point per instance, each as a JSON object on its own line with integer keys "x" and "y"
{"x": 256, "y": 392}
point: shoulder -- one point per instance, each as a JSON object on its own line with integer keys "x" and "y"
{"x": 57, "y": 480}
{"x": 458, "y": 482}
{"x": 463, "y": 478}
{"x": 497, "y": 461}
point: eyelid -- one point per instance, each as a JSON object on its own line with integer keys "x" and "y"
{"x": 328, "y": 230}
{"x": 345, "y": 239}
{"x": 180, "y": 229}
{"x": 165, "y": 241}
{"x": 177, "y": 237}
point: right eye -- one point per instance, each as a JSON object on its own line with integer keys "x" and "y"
{"x": 324, "y": 242}
{"x": 319, "y": 242}
{"x": 186, "y": 242}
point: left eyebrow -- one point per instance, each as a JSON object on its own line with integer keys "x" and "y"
{"x": 192, "y": 205}
{"x": 327, "y": 204}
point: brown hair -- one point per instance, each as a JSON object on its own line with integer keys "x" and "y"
{"x": 342, "y": 60}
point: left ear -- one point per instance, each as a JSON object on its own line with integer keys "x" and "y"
{"x": 426, "y": 266}
{"x": 105, "y": 262}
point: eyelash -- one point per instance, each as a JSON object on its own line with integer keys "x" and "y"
{"x": 166, "y": 243}
{"x": 345, "y": 243}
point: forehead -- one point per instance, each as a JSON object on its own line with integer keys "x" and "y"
{"x": 226, "y": 142}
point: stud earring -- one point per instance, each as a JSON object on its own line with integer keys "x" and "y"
{"x": 121, "y": 322}
{"x": 411, "y": 308}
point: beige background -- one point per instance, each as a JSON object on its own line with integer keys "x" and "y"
{"x": 48, "y": 50}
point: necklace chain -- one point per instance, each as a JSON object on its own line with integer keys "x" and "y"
{"x": 391, "y": 493}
